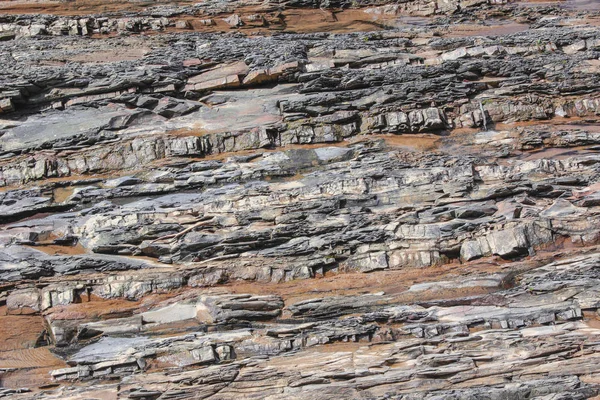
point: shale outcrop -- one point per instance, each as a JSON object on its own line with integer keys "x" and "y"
{"x": 300, "y": 200}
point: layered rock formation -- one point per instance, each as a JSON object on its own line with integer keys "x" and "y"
{"x": 307, "y": 200}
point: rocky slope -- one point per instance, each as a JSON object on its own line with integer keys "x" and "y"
{"x": 301, "y": 199}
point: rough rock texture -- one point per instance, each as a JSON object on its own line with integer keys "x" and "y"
{"x": 300, "y": 200}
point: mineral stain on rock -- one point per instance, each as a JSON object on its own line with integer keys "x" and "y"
{"x": 301, "y": 200}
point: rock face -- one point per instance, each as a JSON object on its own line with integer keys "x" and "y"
{"x": 301, "y": 200}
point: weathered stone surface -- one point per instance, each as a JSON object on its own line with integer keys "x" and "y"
{"x": 23, "y": 301}
{"x": 305, "y": 200}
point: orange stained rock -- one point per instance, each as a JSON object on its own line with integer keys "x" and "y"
{"x": 55, "y": 249}
{"x": 297, "y": 20}
{"x": 19, "y": 331}
{"x": 18, "y": 337}
{"x": 420, "y": 142}
{"x": 391, "y": 282}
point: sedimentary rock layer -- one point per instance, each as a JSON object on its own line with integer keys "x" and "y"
{"x": 307, "y": 200}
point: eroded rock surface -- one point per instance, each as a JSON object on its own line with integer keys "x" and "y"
{"x": 300, "y": 200}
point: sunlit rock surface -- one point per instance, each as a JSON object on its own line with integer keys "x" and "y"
{"x": 300, "y": 200}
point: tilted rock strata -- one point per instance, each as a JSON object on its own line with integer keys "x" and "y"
{"x": 397, "y": 201}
